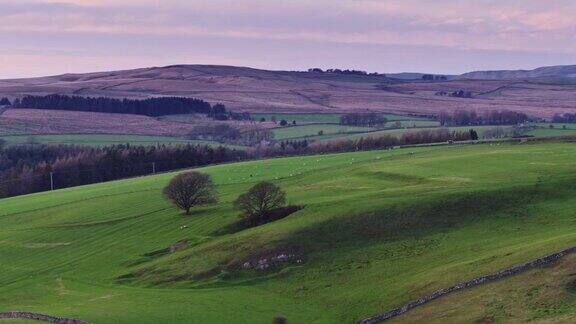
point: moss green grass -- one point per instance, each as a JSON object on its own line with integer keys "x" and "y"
{"x": 378, "y": 229}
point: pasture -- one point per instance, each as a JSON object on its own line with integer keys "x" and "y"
{"x": 300, "y": 118}
{"x": 378, "y": 229}
{"x": 557, "y": 129}
{"x": 313, "y": 130}
{"x": 328, "y": 118}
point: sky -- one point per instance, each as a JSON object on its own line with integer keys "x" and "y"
{"x": 47, "y": 37}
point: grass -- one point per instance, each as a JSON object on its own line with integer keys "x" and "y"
{"x": 99, "y": 139}
{"x": 549, "y": 294}
{"x": 413, "y": 124}
{"x": 303, "y": 118}
{"x": 559, "y": 129}
{"x": 184, "y": 118}
{"x": 378, "y": 229}
{"x": 292, "y": 132}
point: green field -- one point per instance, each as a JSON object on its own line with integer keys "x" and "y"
{"x": 291, "y": 132}
{"x": 98, "y": 139}
{"x": 327, "y": 118}
{"x": 544, "y": 130}
{"x": 413, "y": 124}
{"x": 378, "y": 229}
{"x": 301, "y": 118}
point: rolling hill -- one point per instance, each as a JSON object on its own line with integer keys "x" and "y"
{"x": 378, "y": 229}
{"x": 256, "y": 90}
{"x": 560, "y": 71}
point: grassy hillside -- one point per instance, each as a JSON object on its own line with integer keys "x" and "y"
{"x": 378, "y": 229}
{"x": 549, "y": 294}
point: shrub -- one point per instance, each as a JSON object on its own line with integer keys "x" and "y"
{"x": 280, "y": 320}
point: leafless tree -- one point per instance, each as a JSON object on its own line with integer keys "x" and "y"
{"x": 190, "y": 189}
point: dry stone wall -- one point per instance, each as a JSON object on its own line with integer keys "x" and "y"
{"x": 470, "y": 283}
{"x": 41, "y": 317}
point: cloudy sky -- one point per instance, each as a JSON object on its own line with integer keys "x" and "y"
{"x": 41, "y": 37}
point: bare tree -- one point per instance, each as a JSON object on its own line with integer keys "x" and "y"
{"x": 259, "y": 200}
{"x": 190, "y": 189}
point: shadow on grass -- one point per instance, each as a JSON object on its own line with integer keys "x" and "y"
{"x": 273, "y": 215}
{"x": 435, "y": 214}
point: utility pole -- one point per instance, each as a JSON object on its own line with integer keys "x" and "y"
{"x": 51, "y": 180}
{"x": 153, "y": 167}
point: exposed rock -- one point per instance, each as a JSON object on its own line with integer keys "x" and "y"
{"x": 267, "y": 262}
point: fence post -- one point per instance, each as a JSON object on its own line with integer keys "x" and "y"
{"x": 51, "y": 180}
{"x": 153, "y": 167}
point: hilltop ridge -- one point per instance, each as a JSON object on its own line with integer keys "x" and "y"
{"x": 257, "y": 90}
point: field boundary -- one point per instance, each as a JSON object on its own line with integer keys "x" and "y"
{"x": 41, "y": 317}
{"x": 470, "y": 283}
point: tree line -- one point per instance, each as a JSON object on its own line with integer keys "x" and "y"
{"x": 432, "y": 77}
{"x": 153, "y": 107}
{"x": 387, "y": 141}
{"x": 26, "y": 169}
{"x": 224, "y": 133}
{"x": 456, "y": 94}
{"x": 469, "y": 117}
{"x": 564, "y": 118}
{"x": 363, "y": 119}
{"x": 345, "y": 71}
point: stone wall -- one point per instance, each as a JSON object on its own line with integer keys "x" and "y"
{"x": 470, "y": 283}
{"x": 41, "y": 317}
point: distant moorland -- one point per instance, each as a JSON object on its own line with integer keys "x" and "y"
{"x": 541, "y": 93}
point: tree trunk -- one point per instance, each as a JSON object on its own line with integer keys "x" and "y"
{"x": 188, "y": 211}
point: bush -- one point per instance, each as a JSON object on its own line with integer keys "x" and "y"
{"x": 280, "y": 320}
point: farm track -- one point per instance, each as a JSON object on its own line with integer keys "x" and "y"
{"x": 499, "y": 89}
